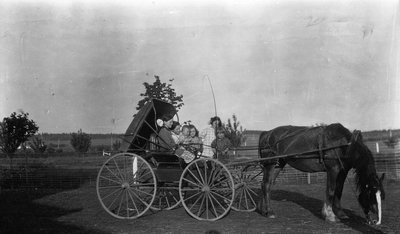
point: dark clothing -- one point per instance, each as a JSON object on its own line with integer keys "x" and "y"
{"x": 166, "y": 141}
{"x": 222, "y": 145}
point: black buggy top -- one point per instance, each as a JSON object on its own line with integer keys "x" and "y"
{"x": 138, "y": 136}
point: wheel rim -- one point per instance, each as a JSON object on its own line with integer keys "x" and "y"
{"x": 126, "y": 186}
{"x": 207, "y": 190}
{"x": 247, "y": 181}
{"x": 167, "y": 198}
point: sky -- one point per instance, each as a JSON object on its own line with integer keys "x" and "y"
{"x": 81, "y": 65}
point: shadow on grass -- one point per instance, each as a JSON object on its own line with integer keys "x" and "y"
{"x": 313, "y": 205}
{"x": 19, "y": 213}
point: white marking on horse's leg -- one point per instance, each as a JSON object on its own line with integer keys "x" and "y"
{"x": 379, "y": 201}
{"x": 328, "y": 213}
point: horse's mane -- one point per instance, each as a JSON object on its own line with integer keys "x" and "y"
{"x": 364, "y": 163}
{"x": 358, "y": 154}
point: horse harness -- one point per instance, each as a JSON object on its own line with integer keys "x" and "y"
{"x": 321, "y": 149}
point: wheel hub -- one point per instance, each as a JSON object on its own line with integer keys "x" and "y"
{"x": 125, "y": 185}
{"x": 206, "y": 188}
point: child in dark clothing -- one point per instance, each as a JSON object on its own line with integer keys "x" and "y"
{"x": 221, "y": 146}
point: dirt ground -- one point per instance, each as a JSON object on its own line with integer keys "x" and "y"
{"x": 297, "y": 207}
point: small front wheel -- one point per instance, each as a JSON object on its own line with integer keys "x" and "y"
{"x": 167, "y": 197}
{"x": 247, "y": 182}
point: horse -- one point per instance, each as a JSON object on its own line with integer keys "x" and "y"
{"x": 332, "y": 149}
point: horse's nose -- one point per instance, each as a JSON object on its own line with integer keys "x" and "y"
{"x": 374, "y": 221}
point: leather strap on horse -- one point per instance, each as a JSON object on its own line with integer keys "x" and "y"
{"x": 321, "y": 153}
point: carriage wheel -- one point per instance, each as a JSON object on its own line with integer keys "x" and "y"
{"x": 167, "y": 197}
{"x": 207, "y": 190}
{"x": 247, "y": 182}
{"x": 126, "y": 186}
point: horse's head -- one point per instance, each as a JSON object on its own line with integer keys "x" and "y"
{"x": 370, "y": 198}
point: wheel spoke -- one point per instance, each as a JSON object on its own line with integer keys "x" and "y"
{"x": 141, "y": 191}
{"x": 110, "y": 187}
{"x": 223, "y": 208}
{"x": 215, "y": 175}
{"x": 133, "y": 201}
{"x": 205, "y": 172}
{"x": 199, "y": 182}
{"x": 190, "y": 189}
{"x": 198, "y": 170}
{"x": 112, "y": 203}
{"x": 220, "y": 182}
{"x": 117, "y": 182}
{"x": 120, "y": 202}
{"x": 251, "y": 198}
{"x": 116, "y": 165}
{"x": 197, "y": 185}
{"x": 240, "y": 199}
{"x": 113, "y": 173}
{"x": 206, "y": 195}
{"x": 198, "y": 199}
{"x": 140, "y": 199}
{"x": 193, "y": 197}
{"x": 201, "y": 206}
{"x": 213, "y": 206}
{"x": 219, "y": 195}
{"x": 245, "y": 198}
{"x": 111, "y": 193}
{"x": 173, "y": 196}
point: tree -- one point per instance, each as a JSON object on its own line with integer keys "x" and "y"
{"x": 162, "y": 91}
{"x": 80, "y": 141}
{"x": 234, "y": 131}
{"x": 15, "y": 130}
{"x": 116, "y": 145}
{"x": 38, "y": 145}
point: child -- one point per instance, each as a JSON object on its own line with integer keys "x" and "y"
{"x": 208, "y": 136}
{"x": 176, "y": 130}
{"x": 195, "y": 141}
{"x": 221, "y": 146}
{"x": 184, "y": 137}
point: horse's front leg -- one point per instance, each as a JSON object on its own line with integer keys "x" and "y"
{"x": 264, "y": 203}
{"x": 337, "y": 208}
{"x": 327, "y": 210}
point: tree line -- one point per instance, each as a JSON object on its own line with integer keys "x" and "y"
{"x": 18, "y": 128}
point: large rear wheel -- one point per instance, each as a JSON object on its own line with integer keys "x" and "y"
{"x": 126, "y": 186}
{"x": 207, "y": 190}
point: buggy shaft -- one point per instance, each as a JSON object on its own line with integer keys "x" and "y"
{"x": 293, "y": 155}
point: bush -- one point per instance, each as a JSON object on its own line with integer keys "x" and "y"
{"x": 80, "y": 141}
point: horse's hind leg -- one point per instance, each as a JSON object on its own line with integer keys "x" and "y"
{"x": 263, "y": 205}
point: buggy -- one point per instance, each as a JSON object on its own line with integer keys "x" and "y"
{"x": 145, "y": 176}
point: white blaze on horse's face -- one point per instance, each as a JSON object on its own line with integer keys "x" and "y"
{"x": 379, "y": 201}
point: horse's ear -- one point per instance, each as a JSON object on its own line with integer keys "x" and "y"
{"x": 382, "y": 177}
{"x": 357, "y": 135}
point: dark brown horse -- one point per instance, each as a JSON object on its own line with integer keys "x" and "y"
{"x": 332, "y": 149}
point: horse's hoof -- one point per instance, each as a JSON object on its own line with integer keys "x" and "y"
{"x": 331, "y": 219}
{"x": 341, "y": 215}
{"x": 271, "y": 215}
